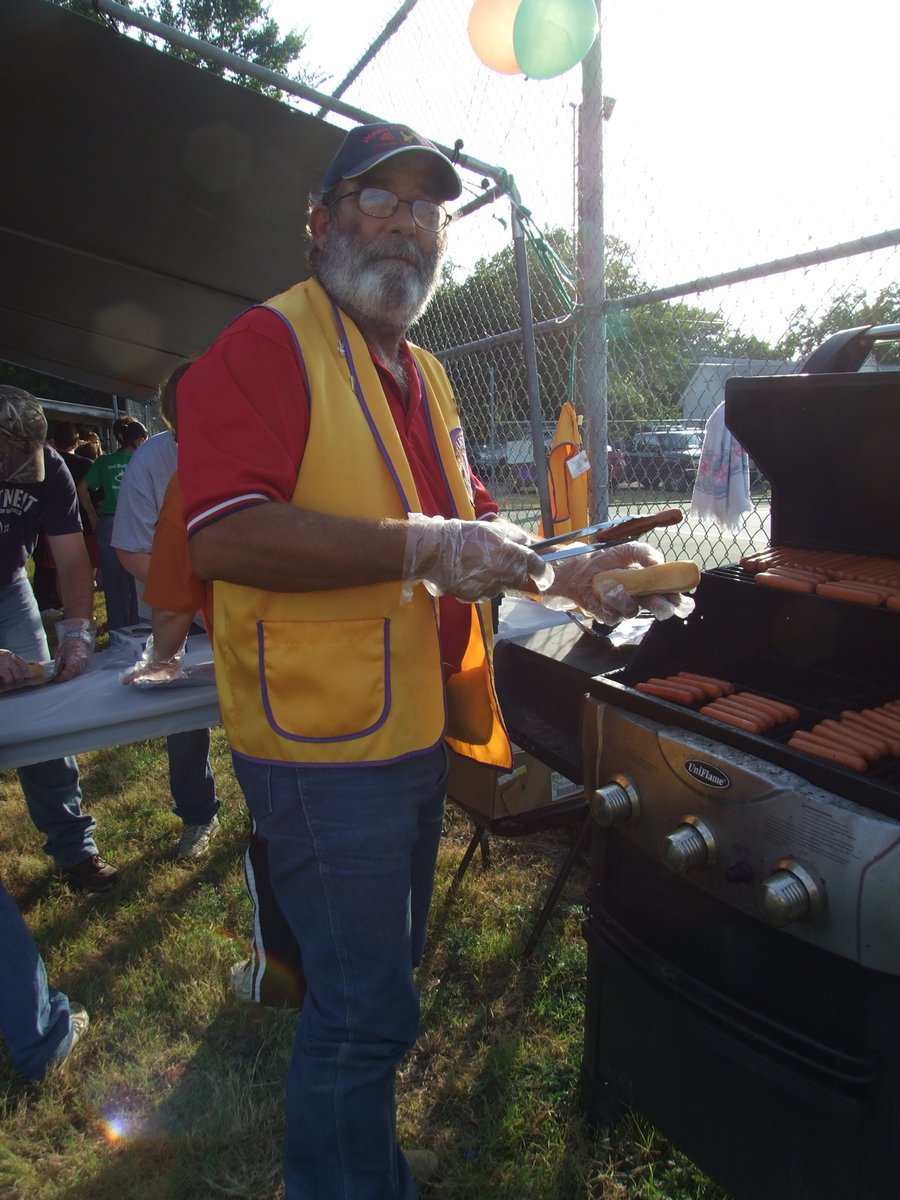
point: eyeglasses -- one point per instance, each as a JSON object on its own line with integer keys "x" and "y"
{"x": 380, "y": 203}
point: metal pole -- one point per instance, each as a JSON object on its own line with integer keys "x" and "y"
{"x": 386, "y": 34}
{"x": 492, "y": 441}
{"x": 532, "y": 385}
{"x": 592, "y": 350}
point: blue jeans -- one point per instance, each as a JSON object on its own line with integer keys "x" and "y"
{"x": 52, "y": 790}
{"x": 352, "y": 852}
{"x": 34, "y": 1018}
{"x": 190, "y": 778}
{"x": 119, "y": 589}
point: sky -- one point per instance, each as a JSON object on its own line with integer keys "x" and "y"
{"x": 739, "y": 134}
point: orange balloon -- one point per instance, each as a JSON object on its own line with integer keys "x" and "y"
{"x": 491, "y": 34}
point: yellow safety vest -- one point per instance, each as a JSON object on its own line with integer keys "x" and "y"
{"x": 350, "y": 675}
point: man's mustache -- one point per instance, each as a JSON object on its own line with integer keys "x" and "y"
{"x": 396, "y": 248}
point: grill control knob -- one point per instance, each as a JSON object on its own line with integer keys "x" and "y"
{"x": 616, "y": 801}
{"x": 691, "y": 845}
{"x": 791, "y": 893}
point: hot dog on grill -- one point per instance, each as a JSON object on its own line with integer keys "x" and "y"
{"x": 812, "y": 744}
{"x": 885, "y": 721}
{"x": 855, "y": 720}
{"x": 871, "y": 748}
{"x": 724, "y": 684}
{"x": 790, "y": 583}
{"x": 666, "y": 690}
{"x": 735, "y": 708}
{"x": 730, "y": 718}
{"x": 780, "y": 710}
{"x": 852, "y": 593}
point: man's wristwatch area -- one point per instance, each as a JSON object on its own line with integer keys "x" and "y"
{"x": 82, "y": 634}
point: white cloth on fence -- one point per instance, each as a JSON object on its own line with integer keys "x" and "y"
{"x": 722, "y": 488}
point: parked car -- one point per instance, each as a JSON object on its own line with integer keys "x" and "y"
{"x": 485, "y": 459}
{"x": 512, "y": 462}
{"x": 617, "y": 466}
{"x": 666, "y": 457}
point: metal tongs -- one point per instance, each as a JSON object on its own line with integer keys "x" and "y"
{"x": 607, "y": 533}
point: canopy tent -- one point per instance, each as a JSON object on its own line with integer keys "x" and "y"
{"x": 146, "y": 202}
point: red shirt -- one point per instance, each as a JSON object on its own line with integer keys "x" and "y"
{"x": 246, "y": 403}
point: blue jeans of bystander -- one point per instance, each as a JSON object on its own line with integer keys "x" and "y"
{"x": 119, "y": 589}
{"x": 190, "y": 778}
{"x": 34, "y": 1017}
{"x": 352, "y": 852}
{"x": 52, "y": 790}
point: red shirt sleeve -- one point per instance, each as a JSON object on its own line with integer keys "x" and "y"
{"x": 243, "y": 418}
{"x": 485, "y": 505}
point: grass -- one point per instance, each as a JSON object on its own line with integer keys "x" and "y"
{"x": 177, "y": 1082}
{"x": 177, "y": 1089}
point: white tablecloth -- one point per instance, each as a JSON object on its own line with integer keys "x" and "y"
{"x": 96, "y": 710}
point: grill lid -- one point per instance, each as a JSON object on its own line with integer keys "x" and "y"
{"x": 828, "y": 445}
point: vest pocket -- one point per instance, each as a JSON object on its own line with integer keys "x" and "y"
{"x": 325, "y": 681}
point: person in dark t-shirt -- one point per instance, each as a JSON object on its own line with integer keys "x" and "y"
{"x": 37, "y": 494}
{"x": 43, "y": 580}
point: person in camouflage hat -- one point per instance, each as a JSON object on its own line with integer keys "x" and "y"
{"x": 37, "y": 494}
{"x": 23, "y": 431}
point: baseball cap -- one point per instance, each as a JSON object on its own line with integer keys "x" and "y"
{"x": 367, "y": 145}
{"x": 23, "y": 431}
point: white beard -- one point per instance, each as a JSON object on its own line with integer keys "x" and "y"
{"x": 367, "y": 280}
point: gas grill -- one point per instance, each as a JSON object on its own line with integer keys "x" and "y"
{"x": 743, "y": 916}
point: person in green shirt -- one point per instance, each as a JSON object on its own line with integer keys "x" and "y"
{"x": 105, "y": 474}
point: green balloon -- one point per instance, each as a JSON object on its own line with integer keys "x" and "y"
{"x": 551, "y": 36}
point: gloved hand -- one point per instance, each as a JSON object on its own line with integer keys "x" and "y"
{"x": 150, "y": 669}
{"x": 76, "y": 645}
{"x": 574, "y": 581}
{"x": 13, "y": 670}
{"x": 511, "y": 532}
{"x": 471, "y": 560}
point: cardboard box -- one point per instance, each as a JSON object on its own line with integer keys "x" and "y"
{"x": 529, "y": 785}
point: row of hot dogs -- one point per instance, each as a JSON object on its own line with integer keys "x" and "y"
{"x": 855, "y": 578}
{"x": 855, "y": 740}
{"x": 720, "y": 699}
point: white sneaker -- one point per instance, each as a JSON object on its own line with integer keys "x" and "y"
{"x": 195, "y": 839}
{"x": 424, "y": 1165}
{"x": 241, "y": 977}
{"x": 241, "y": 980}
{"x": 78, "y": 1019}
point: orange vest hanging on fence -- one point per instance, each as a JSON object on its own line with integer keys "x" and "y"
{"x": 568, "y": 493}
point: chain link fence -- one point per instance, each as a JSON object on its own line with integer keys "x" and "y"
{"x": 667, "y": 367}
{"x": 754, "y": 303}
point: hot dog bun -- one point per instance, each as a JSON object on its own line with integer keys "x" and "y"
{"x": 678, "y": 576}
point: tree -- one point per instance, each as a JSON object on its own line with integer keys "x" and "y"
{"x": 241, "y": 27}
{"x": 652, "y": 349}
{"x": 850, "y": 310}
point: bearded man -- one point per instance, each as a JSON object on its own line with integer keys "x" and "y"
{"x": 324, "y": 473}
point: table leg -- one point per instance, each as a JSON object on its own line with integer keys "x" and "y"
{"x": 479, "y": 838}
{"x": 543, "y": 916}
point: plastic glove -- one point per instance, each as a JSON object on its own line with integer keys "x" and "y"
{"x": 150, "y": 669}
{"x": 511, "y": 532}
{"x": 14, "y": 670}
{"x": 76, "y": 645}
{"x": 575, "y": 576}
{"x": 471, "y": 560}
{"x": 669, "y": 604}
